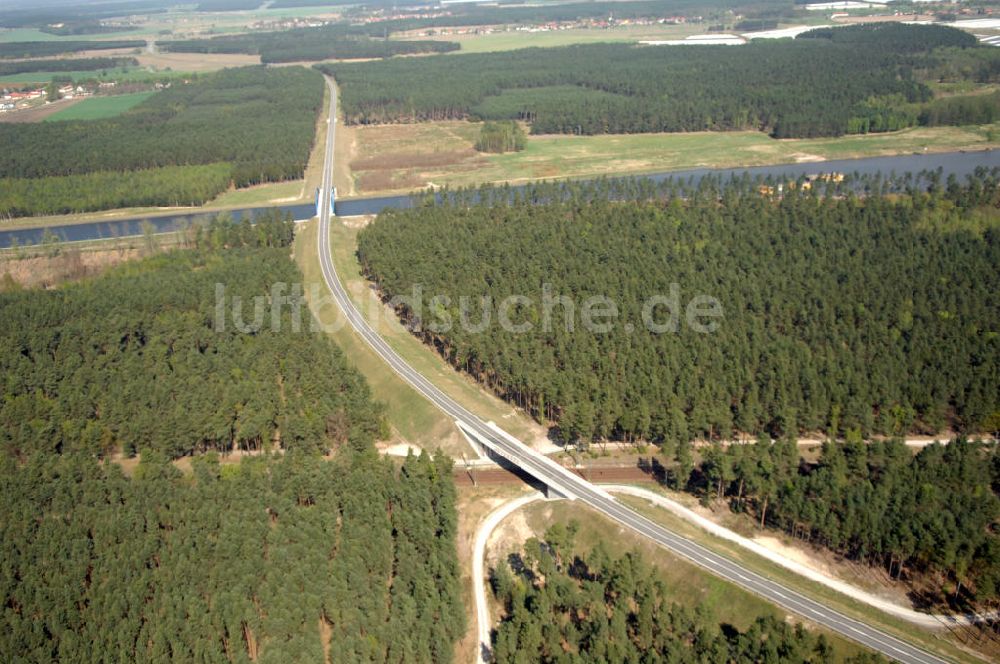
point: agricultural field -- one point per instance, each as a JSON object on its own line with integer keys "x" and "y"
{"x": 95, "y": 108}
{"x": 195, "y": 62}
{"x": 129, "y": 75}
{"x": 182, "y": 146}
{"x": 509, "y": 40}
{"x": 397, "y": 158}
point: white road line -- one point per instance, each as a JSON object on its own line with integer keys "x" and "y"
{"x": 553, "y": 474}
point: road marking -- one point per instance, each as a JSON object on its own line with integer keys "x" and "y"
{"x": 543, "y": 466}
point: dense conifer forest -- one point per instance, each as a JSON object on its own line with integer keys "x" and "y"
{"x": 929, "y": 516}
{"x": 271, "y": 560}
{"x": 254, "y": 123}
{"x": 862, "y": 80}
{"x": 278, "y": 558}
{"x": 64, "y": 64}
{"x": 124, "y": 363}
{"x": 168, "y": 186}
{"x": 564, "y": 605}
{"x": 330, "y": 42}
{"x": 841, "y": 312}
{"x": 17, "y": 50}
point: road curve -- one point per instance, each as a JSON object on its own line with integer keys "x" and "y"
{"x": 483, "y": 531}
{"x": 552, "y": 473}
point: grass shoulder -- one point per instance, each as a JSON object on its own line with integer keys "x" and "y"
{"x": 953, "y": 645}
{"x": 688, "y": 585}
{"x": 412, "y": 418}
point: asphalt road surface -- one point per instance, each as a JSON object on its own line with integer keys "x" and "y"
{"x": 573, "y": 486}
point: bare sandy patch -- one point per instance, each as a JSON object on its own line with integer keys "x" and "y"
{"x": 359, "y": 221}
{"x": 510, "y": 536}
{"x": 399, "y": 449}
{"x": 68, "y": 265}
{"x": 38, "y": 113}
{"x": 794, "y": 553}
{"x": 412, "y": 160}
{"x": 196, "y": 62}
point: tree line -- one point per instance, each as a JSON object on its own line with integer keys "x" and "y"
{"x": 65, "y": 64}
{"x": 277, "y": 558}
{"x": 167, "y": 186}
{"x": 472, "y": 14}
{"x": 840, "y": 312}
{"x": 227, "y": 5}
{"x": 291, "y": 559}
{"x": 25, "y": 16}
{"x": 928, "y": 515}
{"x": 561, "y": 604}
{"x": 123, "y": 363}
{"x": 812, "y": 86}
{"x": 338, "y": 41}
{"x": 501, "y": 137}
{"x": 17, "y": 50}
{"x": 257, "y": 123}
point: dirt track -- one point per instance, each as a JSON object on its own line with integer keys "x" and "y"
{"x": 37, "y": 113}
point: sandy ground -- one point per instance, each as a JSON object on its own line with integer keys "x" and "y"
{"x": 196, "y": 62}
{"x": 515, "y": 531}
{"x": 792, "y": 553}
{"x": 473, "y": 506}
{"x": 346, "y": 151}
{"x": 46, "y": 271}
{"x": 37, "y": 113}
{"x": 399, "y": 449}
{"x": 490, "y": 543}
{"x": 805, "y": 569}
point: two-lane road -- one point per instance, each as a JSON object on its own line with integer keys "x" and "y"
{"x": 552, "y": 473}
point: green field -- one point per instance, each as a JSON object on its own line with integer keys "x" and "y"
{"x": 26, "y": 34}
{"x": 515, "y": 39}
{"x": 130, "y": 75}
{"x": 95, "y": 108}
{"x": 283, "y": 192}
{"x": 407, "y": 157}
{"x": 32, "y": 34}
{"x": 509, "y": 41}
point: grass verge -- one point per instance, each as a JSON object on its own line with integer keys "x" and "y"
{"x": 95, "y": 108}
{"x": 945, "y": 644}
{"x": 274, "y": 192}
{"x": 413, "y": 419}
{"x": 688, "y": 584}
{"x": 397, "y": 158}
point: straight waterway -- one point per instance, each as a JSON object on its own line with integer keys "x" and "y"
{"x": 959, "y": 164}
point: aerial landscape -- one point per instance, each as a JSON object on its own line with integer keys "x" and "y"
{"x": 503, "y": 331}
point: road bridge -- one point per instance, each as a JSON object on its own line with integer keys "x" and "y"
{"x": 560, "y": 480}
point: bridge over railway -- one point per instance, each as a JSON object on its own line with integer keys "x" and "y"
{"x": 560, "y": 481}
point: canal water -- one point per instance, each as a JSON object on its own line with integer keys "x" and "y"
{"x": 959, "y": 164}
